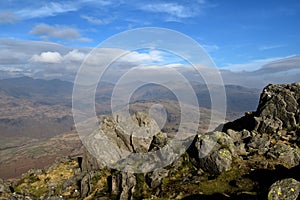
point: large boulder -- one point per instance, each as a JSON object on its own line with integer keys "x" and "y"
{"x": 213, "y": 153}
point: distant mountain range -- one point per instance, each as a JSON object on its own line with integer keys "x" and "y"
{"x": 59, "y": 93}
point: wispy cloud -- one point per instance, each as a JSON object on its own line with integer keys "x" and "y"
{"x": 46, "y": 31}
{"x": 173, "y": 9}
{"x": 97, "y": 21}
{"x": 269, "y": 47}
{"x": 210, "y": 48}
{"x": 100, "y": 2}
{"x": 49, "y": 9}
{"x": 8, "y": 18}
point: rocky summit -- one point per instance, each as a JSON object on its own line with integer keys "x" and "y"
{"x": 254, "y": 157}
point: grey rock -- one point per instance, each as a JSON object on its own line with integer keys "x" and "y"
{"x": 123, "y": 185}
{"x": 158, "y": 141}
{"x": 128, "y": 184}
{"x": 217, "y": 162}
{"x": 285, "y": 155}
{"x": 265, "y": 124}
{"x": 215, "y": 152}
{"x": 235, "y": 135}
{"x": 88, "y": 162}
{"x": 157, "y": 176}
{"x": 287, "y": 189}
{"x": 86, "y": 184}
{"x": 259, "y": 143}
{"x": 3, "y": 187}
{"x": 119, "y": 136}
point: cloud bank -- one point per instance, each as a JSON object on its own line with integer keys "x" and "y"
{"x": 51, "y": 60}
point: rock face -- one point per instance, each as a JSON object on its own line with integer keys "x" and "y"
{"x": 254, "y": 157}
{"x": 287, "y": 189}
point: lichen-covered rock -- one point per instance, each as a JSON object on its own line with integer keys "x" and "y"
{"x": 217, "y": 162}
{"x": 287, "y": 189}
{"x": 214, "y": 152}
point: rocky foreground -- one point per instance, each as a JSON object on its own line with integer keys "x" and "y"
{"x": 255, "y": 157}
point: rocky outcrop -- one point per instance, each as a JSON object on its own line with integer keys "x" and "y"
{"x": 278, "y": 110}
{"x": 119, "y": 136}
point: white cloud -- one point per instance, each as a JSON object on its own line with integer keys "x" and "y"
{"x": 47, "y": 57}
{"x": 142, "y": 58}
{"x": 8, "y": 18}
{"x": 55, "y": 57}
{"x": 74, "y": 56}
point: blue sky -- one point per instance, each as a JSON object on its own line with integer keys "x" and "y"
{"x": 238, "y": 35}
